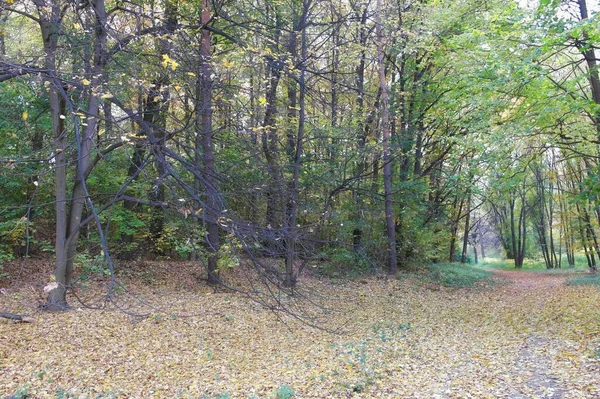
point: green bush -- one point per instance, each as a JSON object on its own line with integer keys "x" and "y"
{"x": 456, "y": 275}
{"x": 342, "y": 262}
{"x": 592, "y": 279}
{"x": 285, "y": 392}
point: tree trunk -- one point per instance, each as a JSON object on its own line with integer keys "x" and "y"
{"x": 463, "y": 258}
{"x": 385, "y": 128}
{"x": 513, "y": 233}
{"x": 50, "y": 22}
{"x": 361, "y": 166}
{"x": 290, "y": 278}
{"x": 86, "y": 141}
{"x": 269, "y": 146}
{"x": 454, "y": 229}
{"x": 213, "y": 210}
{"x": 522, "y": 235}
{"x": 589, "y": 54}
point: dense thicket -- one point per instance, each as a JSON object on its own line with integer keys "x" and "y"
{"x": 278, "y": 134}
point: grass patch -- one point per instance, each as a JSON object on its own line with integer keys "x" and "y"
{"x": 592, "y": 279}
{"x": 509, "y": 264}
{"x": 530, "y": 265}
{"x": 455, "y": 275}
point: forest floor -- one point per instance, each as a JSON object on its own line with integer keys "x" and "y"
{"x": 530, "y": 335}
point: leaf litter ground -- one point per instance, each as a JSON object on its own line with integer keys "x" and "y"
{"x": 534, "y": 337}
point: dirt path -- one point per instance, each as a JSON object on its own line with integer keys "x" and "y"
{"x": 527, "y": 340}
{"x": 533, "y": 359}
{"x": 527, "y": 281}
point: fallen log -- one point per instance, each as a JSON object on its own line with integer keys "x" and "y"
{"x": 17, "y": 317}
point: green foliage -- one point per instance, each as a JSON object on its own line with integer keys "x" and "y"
{"x": 229, "y": 254}
{"x": 13, "y": 234}
{"x": 125, "y": 223}
{"x": 172, "y": 242}
{"x": 590, "y": 188}
{"x": 455, "y": 275}
{"x": 285, "y": 392}
{"x": 2, "y": 273}
{"x": 5, "y": 257}
{"x": 388, "y": 331}
{"x": 342, "y": 262}
{"x": 530, "y": 264}
{"x": 22, "y": 392}
{"x": 127, "y": 228}
{"x": 592, "y": 279}
{"x": 91, "y": 266}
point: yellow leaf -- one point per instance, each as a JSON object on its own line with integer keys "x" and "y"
{"x": 169, "y": 62}
{"x": 85, "y": 82}
{"x": 165, "y": 61}
{"x": 25, "y": 115}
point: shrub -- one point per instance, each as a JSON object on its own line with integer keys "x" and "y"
{"x": 456, "y": 275}
{"x": 338, "y": 262}
{"x": 592, "y": 279}
{"x": 285, "y": 392}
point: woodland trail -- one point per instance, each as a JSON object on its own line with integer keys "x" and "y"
{"x": 530, "y": 336}
{"x": 532, "y": 359}
{"x": 532, "y": 281}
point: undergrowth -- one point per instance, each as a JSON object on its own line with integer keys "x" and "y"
{"x": 592, "y": 279}
{"x": 454, "y": 275}
{"x": 530, "y": 264}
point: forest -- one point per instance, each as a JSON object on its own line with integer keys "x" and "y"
{"x": 376, "y": 178}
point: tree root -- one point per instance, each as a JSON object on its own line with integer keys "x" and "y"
{"x": 17, "y": 317}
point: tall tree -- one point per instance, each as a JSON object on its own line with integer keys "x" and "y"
{"x": 386, "y": 142}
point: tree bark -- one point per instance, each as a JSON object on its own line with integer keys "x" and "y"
{"x": 385, "y": 128}
{"x": 362, "y": 132}
{"x": 211, "y": 192}
{"x": 50, "y": 21}
{"x": 454, "y": 229}
{"x": 463, "y": 258}
{"x": 290, "y": 278}
{"x": 86, "y": 141}
{"x": 589, "y": 55}
{"x": 269, "y": 145}
{"x": 17, "y": 317}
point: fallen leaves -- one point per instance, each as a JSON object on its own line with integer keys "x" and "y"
{"x": 401, "y": 340}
